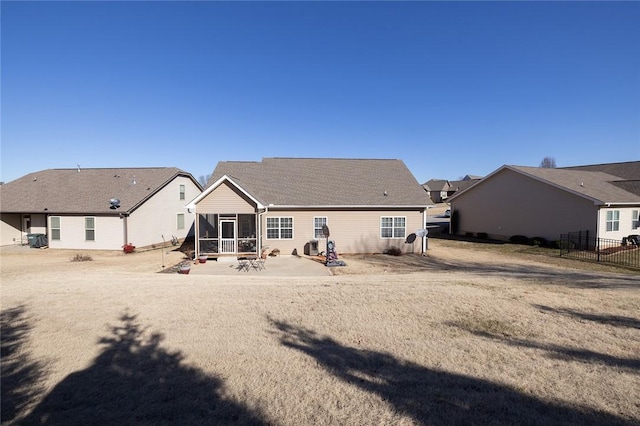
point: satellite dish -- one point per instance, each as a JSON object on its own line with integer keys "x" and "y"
{"x": 115, "y": 203}
{"x": 410, "y": 238}
{"x": 422, "y": 233}
{"x": 325, "y": 231}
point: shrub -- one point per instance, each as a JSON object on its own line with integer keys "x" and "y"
{"x": 540, "y": 242}
{"x": 81, "y": 258}
{"x": 483, "y": 235}
{"x": 519, "y": 239}
{"x": 564, "y": 244}
{"x": 393, "y": 251}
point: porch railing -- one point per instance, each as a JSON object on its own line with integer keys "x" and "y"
{"x": 228, "y": 245}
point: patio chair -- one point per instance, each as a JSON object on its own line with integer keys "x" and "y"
{"x": 260, "y": 261}
{"x": 243, "y": 263}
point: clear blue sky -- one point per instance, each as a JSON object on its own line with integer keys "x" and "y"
{"x": 449, "y": 88}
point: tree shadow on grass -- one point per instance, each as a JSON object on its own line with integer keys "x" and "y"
{"x": 135, "y": 381}
{"x": 539, "y": 274}
{"x": 614, "y": 320}
{"x": 21, "y": 375}
{"x": 556, "y": 351}
{"x": 430, "y": 396}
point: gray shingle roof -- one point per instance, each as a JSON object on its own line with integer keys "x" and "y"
{"x": 460, "y": 185}
{"x": 315, "y": 182}
{"x": 629, "y": 170}
{"x": 437, "y": 184}
{"x": 596, "y": 185}
{"x": 60, "y": 191}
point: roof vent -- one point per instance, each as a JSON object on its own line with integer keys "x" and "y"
{"x": 78, "y": 165}
{"x": 385, "y": 193}
{"x": 133, "y": 181}
{"x": 581, "y": 183}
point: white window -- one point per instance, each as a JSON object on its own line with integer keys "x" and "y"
{"x": 180, "y": 220}
{"x": 90, "y": 228}
{"x": 55, "y": 228}
{"x": 635, "y": 219}
{"x": 182, "y": 191}
{"x": 318, "y": 222}
{"x": 613, "y": 220}
{"x": 280, "y": 228}
{"x": 393, "y": 227}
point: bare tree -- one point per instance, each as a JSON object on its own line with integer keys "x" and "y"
{"x": 203, "y": 179}
{"x": 548, "y": 163}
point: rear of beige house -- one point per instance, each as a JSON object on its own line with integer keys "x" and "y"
{"x": 72, "y": 207}
{"x": 599, "y": 200}
{"x": 512, "y": 204}
{"x": 283, "y": 203}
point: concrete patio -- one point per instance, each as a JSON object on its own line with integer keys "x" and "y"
{"x": 274, "y": 266}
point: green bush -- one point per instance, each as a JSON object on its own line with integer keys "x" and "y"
{"x": 519, "y": 239}
{"x": 393, "y": 251}
{"x": 562, "y": 244}
{"x": 539, "y": 241}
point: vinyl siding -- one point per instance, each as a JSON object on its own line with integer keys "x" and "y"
{"x": 625, "y": 228}
{"x": 352, "y": 231}
{"x": 157, "y": 216}
{"x": 510, "y": 203}
{"x": 225, "y": 199}
{"x": 108, "y": 233}
{"x": 10, "y": 229}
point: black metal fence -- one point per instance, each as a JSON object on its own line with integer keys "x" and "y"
{"x": 579, "y": 245}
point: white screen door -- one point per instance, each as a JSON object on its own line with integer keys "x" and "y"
{"x": 227, "y": 236}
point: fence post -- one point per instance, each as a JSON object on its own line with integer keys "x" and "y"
{"x": 580, "y": 240}
{"x": 597, "y": 249}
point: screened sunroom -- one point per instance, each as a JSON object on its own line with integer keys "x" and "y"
{"x": 227, "y": 234}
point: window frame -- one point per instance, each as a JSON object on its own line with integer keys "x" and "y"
{"x": 635, "y": 219}
{"x": 53, "y": 228}
{"x": 317, "y": 231}
{"x": 394, "y": 228}
{"x": 88, "y": 229}
{"x": 178, "y": 225}
{"x": 279, "y": 227}
{"x": 612, "y": 221}
{"x": 183, "y": 191}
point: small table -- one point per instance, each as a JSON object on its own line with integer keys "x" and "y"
{"x": 247, "y": 262}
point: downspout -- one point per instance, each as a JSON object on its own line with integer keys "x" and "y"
{"x": 266, "y": 210}
{"x": 196, "y": 237}
{"x": 124, "y": 217}
{"x": 424, "y": 239}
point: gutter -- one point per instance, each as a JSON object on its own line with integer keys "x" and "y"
{"x": 351, "y": 206}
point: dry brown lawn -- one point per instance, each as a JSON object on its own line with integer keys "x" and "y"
{"x": 470, "y": 334}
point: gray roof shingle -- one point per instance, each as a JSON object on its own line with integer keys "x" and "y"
{"x": 325, "y": 182}
{"x": 629, "y": 170}
{"x": 596, "y": 185}
{"x": 69, "y": 191}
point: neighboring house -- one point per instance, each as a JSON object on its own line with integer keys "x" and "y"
{"x": 73, "y": 207}
{"x": 472, "y": 177}
{"x": 461, "y": 185}
{"x": 283, "y": 203}
{"x": 602, "y": 199}
{"x": 437, "y": 189}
